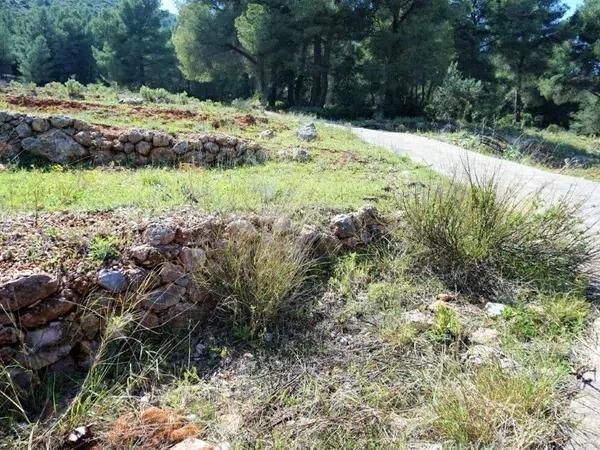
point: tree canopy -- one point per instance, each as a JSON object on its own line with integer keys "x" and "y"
{"x": 522, "y": 60}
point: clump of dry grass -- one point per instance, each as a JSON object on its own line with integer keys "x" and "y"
{"x": 495, "y": 408}
{"x": 478, "y": 237}
{"x": 255, "y": 277}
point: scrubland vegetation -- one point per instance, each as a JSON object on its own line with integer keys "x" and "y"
{"x": 386, "y": 346}
{"x": 454, "y": 326}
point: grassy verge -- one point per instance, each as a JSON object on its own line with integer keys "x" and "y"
{"x": 547, "y": 150}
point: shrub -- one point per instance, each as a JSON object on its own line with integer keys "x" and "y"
{"x": 74, "y": 88}
{"x": 103, "y": 249}
{"x": 477, "y": 238}
{"x": 456, "y": 98}
{"x": 254, "y": 277}
{"x": 159, "y": 95}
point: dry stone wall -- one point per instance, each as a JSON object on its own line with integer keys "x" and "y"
{"x": 51, "y": 322}
{"x": 63, "y": 140}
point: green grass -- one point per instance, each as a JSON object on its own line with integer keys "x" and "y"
{"x": 344, "y": 172}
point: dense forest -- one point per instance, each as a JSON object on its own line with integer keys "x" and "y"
{"x": 521, "y": 61}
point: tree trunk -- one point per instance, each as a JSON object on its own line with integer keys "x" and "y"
{"x": 518, "y": 102}
{"x": 315, "y": 95}
{"x": 273, "y": 87}
{"x": 325, "y": 73}
{"x": 261, "y": 81}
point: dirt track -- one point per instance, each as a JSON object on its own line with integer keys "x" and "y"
{"x": 451, "y": 160}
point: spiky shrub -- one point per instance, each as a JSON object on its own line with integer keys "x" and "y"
{"x": 255, "y": 277}
{"x": 477, "y": 237}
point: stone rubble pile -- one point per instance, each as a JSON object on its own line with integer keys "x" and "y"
{"x": 63, "y": 140}
{"x": 51, "y": 323}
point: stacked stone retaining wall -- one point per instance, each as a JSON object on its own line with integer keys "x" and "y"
{"x": 52, "y": 322}
{"x": 63, "y": 140}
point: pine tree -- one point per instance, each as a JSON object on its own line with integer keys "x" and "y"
{"x": 35, "y": 62}
{"x": 132, "y": 43}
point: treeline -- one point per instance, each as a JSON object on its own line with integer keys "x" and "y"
{"x": 523, "y": 61}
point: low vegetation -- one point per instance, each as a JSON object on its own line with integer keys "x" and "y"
{"x": 388, "y": 345}
{"x": 477, "y": 237}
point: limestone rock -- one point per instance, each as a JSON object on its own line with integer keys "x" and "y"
{"x": 61, "y": 121}
{"x": 161, "y": 140}
{"x": 266, "y": 134}
{"x": 241, "y": 228}
{"x": 113, "y": 281}
{"x": 135, "y": 136}
{"x": 43, "y": 358}
{"x": 484, "y": 336}
{"x": 23, "y": 130}
{"x": 162, "y": 155}
{"x": 181, "y": 148}
{"x": 343, "y": 226}
{"x": 40, "y": 125}
{"x": 41, "y": 338}
{"x": 56, "y": 146}
{"x": 480, "y": 355}
{"x": 192, "y": 258}
{"x": 47, "y": 311}
{"x": 159, "y": 234}
{"x": 308, "y": 132}
{"x": 420, "y": 320}
{"x": 194, "y": 444}
{"x": 84, "y": 138}
{"x": 163, "y": 298}
{"x": 143, "y": 148}
{"x": 172, "y": 273}
{"x": 494, "y": 309}
{"x": 26, "y": 290}
{"x": 300, "y": 154}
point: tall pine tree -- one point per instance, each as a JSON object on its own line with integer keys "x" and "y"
{"x": 132, "y": 44}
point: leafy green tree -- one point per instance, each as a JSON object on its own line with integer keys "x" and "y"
{"x": 523, "y": 33}
{"x": 132, "y": 45}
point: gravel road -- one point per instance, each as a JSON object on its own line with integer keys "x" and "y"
{"x": 451, "y": 160}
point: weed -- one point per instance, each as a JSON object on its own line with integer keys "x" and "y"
{"x": 549, "y": 317}
{"x": 103, "y": 248}
{"x": 446, "y": 327}
{"x": 493, "y": 408}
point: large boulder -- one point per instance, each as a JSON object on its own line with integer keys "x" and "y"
{"x": 56, "y": 146}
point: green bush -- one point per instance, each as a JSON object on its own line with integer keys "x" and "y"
{"x": 103, "y": 249}
{"x": 557, "y": 315}
{"x": 456, "y": 98}
{"x": 446, "y": 326}
{"x": 74, "y": 88}
{"x": 478, "y": 239}
{"x": 255, "y": 277}
{"x": 159, "y": 95}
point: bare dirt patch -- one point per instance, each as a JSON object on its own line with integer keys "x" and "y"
{"x": 43, "y": 104}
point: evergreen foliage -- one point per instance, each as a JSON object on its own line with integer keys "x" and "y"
{"x": 514, "y": 60}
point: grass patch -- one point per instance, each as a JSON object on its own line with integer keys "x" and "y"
{"x": 478, "y": 238}
{"x": 255, "y": 277}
